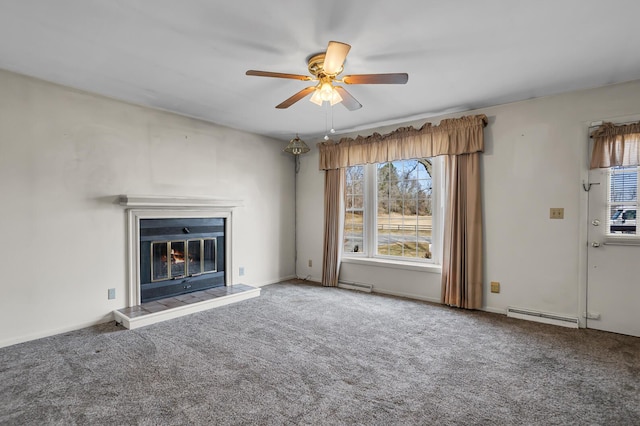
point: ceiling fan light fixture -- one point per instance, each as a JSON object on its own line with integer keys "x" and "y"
{"x": 335, "y": 97}
{"x": 316, "y": 98}
{"x": 326, "y": 91}
{"x": 296, "y": 146}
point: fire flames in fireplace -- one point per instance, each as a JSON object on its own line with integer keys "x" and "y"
{"x": 177, "y": 256}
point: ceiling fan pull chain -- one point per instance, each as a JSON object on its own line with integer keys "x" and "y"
{"x": 332, "y": 129}
{"x": 326, "y": 120}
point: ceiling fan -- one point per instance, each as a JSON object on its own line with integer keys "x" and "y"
{"x": 325, "y": 68}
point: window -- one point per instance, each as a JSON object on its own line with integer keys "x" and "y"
{"x": 391, "y": 210}
{"x": 622, "y": 200}
{"x": 354, "y": 212}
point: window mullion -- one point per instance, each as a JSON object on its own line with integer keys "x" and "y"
{"x": 371, "y": 201}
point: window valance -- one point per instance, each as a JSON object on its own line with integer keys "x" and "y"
{"x": 616, "y": 145}
{"x": 455, "y": 136}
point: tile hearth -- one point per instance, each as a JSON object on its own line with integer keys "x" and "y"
{"x": 173, "y": 307}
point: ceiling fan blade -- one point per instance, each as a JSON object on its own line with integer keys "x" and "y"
{"x": 394, "y": 78}
{"x": 295, "y": 98}
{"x": 335, "y": 56}
{"x": 278, "y": 75}
{"x": 347, "y": 100}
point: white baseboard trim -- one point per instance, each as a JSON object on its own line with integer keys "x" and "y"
{"x": 407, "y": 295}
{"x": 501, "y": 311}
{"x": 367, "y": 288}
{"x": 310, "y": 278}
{"x": 278, "y": 280}
{"x": 53, "y": 332}
{"x": 543, "y": 317}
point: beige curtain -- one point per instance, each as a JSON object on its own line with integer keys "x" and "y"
{"x": 334, "y": 181}
{"x": 462, "y": 140}
{"x": 462, "y": 252}
{"x": 616, "y": 145}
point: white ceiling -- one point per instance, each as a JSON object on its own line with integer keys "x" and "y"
{"x": 190, "y": 56}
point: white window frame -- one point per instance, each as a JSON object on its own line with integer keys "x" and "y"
{"x": 370, "y": 237}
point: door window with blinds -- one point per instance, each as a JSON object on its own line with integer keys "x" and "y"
{"x": 622, "y": 201}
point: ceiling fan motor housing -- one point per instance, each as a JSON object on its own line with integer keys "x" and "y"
{"x": 316, "y": 67}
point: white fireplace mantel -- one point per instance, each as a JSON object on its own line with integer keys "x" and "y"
{"x": 171, "y": 201}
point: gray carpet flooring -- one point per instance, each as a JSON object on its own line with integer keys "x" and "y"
{"x": 303, "y": 354}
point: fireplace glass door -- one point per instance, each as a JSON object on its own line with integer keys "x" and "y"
{"x": 178, "y": 259}
{"x": 195, "y": 257}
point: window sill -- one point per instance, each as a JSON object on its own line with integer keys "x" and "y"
{"x": 396, "y": 264}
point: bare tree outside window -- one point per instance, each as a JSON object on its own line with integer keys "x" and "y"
{"x": 404, "y": 219}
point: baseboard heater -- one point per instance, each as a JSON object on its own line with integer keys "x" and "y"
{"x": 542, "y": 317}
{"x": 367, "y": 288}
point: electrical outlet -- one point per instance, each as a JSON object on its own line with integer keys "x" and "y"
{"x": 241, "y": 271}
{"x": 556, "y": 213}
{"x": 495, "y": 287}
{"x": 111, "y": 293}
{"x": 310, "y": 263}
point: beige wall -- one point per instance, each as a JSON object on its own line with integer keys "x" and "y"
{"x": 65, "y": 155}
{"x": 535, "y": 158}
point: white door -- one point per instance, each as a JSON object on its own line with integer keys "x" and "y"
{"x": 613, "y": 276}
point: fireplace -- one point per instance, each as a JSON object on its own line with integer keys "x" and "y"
{"x": 177, "y": 245}
{"x": 180, "y": 255}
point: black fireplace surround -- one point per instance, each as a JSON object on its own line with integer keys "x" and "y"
{"x": 180, "y": 255}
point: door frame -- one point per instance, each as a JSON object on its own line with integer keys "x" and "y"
{"x": 583, "y": 252}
